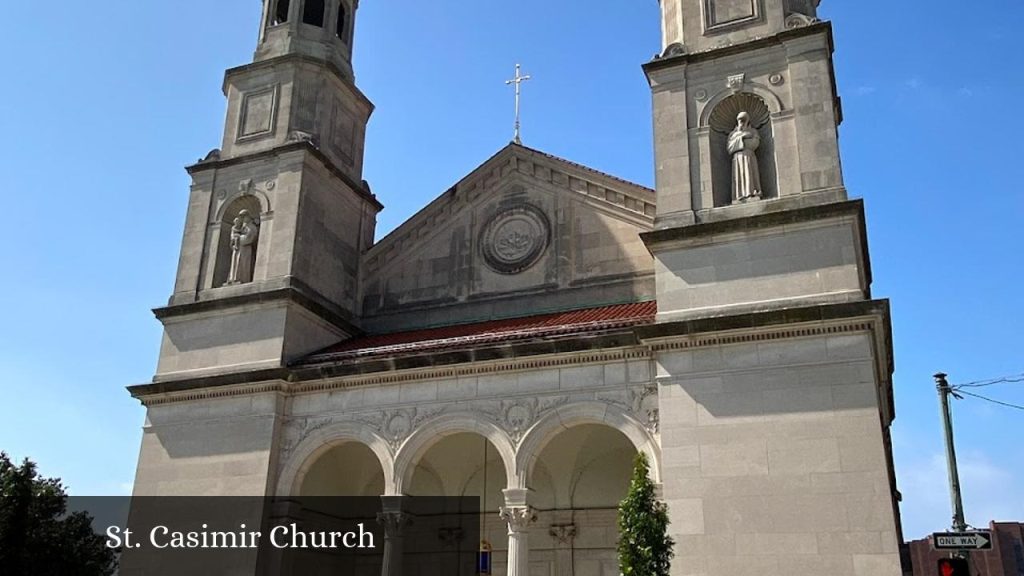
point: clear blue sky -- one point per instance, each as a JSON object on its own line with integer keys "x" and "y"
{"x": 104, "y": 103}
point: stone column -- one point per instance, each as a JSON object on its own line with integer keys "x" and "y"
{"x": 394, "y": 520}
{"x": 519, "y": 515}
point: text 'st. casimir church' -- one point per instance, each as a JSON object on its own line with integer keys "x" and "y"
{"x": 531, "y": 329}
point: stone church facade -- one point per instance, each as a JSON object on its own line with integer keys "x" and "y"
{"x": 528, "y": 332}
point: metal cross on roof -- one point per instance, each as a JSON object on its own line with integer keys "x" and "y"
{"x": 518, "y": 81}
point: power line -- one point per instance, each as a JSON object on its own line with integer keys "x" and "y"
{"x": 1001, "y": 403}
{"x": 991, "y": 382}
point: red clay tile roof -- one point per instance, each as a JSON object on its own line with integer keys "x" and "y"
{"x": 492, "y": 332}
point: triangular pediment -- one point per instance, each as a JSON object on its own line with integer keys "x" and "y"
{"x": 525, "y": 232}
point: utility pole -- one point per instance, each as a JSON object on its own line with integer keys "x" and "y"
{"x": 945, "y": 391}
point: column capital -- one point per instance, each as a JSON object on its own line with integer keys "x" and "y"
{"x": 516, "y": 497}
{"x": 393, "y": 522}
{"x": 392, "y": 516}
{"x": 519, "y": 518}
{"x": 563, "y": 534}
{"x": 518, "y": 514}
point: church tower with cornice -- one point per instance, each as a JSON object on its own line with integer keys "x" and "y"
{"x": 774, "y": 363}
{"x": 279, "y": 215}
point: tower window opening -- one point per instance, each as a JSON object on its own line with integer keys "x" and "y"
{"x": 281, "y": 12}
{"x": 342, "y": 20}
{"x": 313, "y": 13}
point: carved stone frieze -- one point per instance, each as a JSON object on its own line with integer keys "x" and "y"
{"x": 395, "y": 426}
{"x": 639, "y": 401}
{"x": 632, "y": 399}
{"x": 296, "y": 430}
{"x": 518, "y": 416}
{"x": 515, "y": 416}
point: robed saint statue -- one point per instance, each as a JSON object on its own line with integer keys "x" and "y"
{"x": 743, "y": 144}
{"x": 244, "y": 233}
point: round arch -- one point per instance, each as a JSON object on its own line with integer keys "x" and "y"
{"x": 770, "y": 98}
{"x": 320, "y": 442}
{"x": 253, "y": 196}
{"x": 435, "y": 430}
{"x": 565, "y": 417}
{"x": 257, "y": 195}
{"x": 585, "y": 467}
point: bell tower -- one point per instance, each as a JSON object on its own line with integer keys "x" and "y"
{"x": 774, "y": 364}
{"x": 746, "y": 127}
{"x": 321, "y": 29}
{"x": 279, "y": 215}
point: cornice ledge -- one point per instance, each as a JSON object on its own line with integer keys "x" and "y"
{"x": 769, "y": 325}
{"x": 756, "y": 221}
{"x": 360, "y": 188}
{"x": 205, "y": 389}
{"x": 295, "y": 292}
{"x": 328, "y": 383}
{"x": 350, "y": 366}
{"x": 288, "y": 382}
{"x": 740, "y": 47}
{"x": 303, "y": 59}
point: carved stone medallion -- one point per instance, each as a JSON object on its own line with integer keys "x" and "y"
{"x": 513, "y": 240}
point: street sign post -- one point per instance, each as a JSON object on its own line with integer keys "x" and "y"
{"x": 962, "y": 540}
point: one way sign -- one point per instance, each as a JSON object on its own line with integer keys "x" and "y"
{"x": 962, "y": 540}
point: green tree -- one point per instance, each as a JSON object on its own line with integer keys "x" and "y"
{"x": 37, "y": 535}
{"x": 645, "y": 548}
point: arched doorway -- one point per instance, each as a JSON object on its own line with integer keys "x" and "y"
{"x": 337, "y": 486}
{"x": 462, "y": 464}
{"x": 345, "y": 469}
{"x": 466, "y": 464}
{"x": 577, "y": 481}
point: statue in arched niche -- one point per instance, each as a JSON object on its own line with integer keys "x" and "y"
{"x": 245, "y": 232}
{"x": 746, "y": 175}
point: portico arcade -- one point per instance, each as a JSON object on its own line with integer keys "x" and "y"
{"x": 549, "y": 499}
